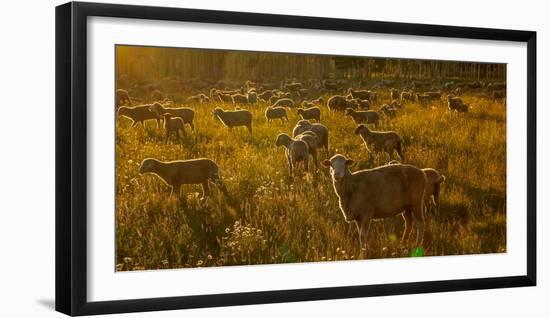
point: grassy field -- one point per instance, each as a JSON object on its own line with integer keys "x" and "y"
{"x": 269, "y": 218}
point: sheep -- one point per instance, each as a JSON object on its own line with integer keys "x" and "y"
{"x": 310, "y": 113}
{"x": 180, "y": 172}
{"x": 239, "y": 99}
{"x": 394, "y": 94}
{"x": 378, "y": 193}
{"x": 423, "y": 99}
{"x": 364, "y": 116}
{"x": 407, "y": 96}
{"x": 318, "y": 101}
{"x": 362, "y": 103}
{"x": 307, "y": 104}
{"x": 296, "y": 151}
{"x": 311, "y": 139}
{"x": 122, "y": 97}
{"x": 456, "y": 103}
{"x": 284, "y": 102}
{"x": 361, "y": 94}
{"x": 266, "y": 95}
{"x": 276, "y": 112}
{"x": 173, "y": 126}
{"x": 388, "y": 110}
{"x": 340, "y": 103}
{"x": 434, "y": 180}
{"x": 319, "y": 129}
{"x": 185, "y": 113}
{"x": 386, "y": 141}
{"x": 157, "y": 95}
{"x": 139, "y": 114}
{"x": 235, "y": 118}
{"x": 224, "y": 98}
{"x": 252, "y": 97}
{"x": 293, "y": 86}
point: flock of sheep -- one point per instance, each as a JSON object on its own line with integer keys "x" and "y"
{"x": 385, "y": 191}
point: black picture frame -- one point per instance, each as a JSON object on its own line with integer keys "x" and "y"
{"x": 71, "y": 157}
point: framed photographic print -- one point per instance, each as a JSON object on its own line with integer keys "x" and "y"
{"x": 208, "y": 158}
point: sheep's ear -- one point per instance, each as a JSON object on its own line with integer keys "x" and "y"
{"x": 350, "y": 162}
{"x": 326, "y": 163}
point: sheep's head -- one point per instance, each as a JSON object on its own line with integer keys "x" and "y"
{"x": 300, "y": 111}
{"x": 303, "y": 122}
{"x": 168, "y": 116}
{"x": 217, "y": 111}
{"x": 283, "y": 140}
{"x": 349, "y": 111}
{"x": 339, "y": 166}
{"x": 360, "y": 128}
{"x": 350, "y": 90}
{"x": 148, "y": 165}
{"x": 156, "y": 108}
{"x": 122, "y": 111}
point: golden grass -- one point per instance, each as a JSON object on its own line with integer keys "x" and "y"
{"x": 269, "y": 218}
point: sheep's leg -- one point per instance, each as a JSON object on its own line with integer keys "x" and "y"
{"x": 419, "y": 218}
{"x": 409, "y": 221}
{"x": 167, "y": 136}
{"x": 134, "y": 123}
{"x": 249, "y": 126}
{"x": 205, "y": 192}
{"x": 363, "y": 228}
{"x": 158, "y": 123}
{"x": 175, "y": 189}
{"x": 192, "y": 125}
{"x": 436, "y": 200}
{"x": 306, "y": 163}
{"x": 289, "y": 165}
{"x": 314, "y": 155}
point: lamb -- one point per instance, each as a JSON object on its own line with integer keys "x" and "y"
{"x": 173, "y": 126}
{"x": 456, "y": 103}
{"x": 311, "y": 139}
{"x": 284, "y": 102}
{"x": 340, "y": 103}
{"x": 122, "y": 97}
{"x": 386, "y": 141}
{"x": 434, "y": 180}
{"x": 139, "y": 114}
{"x": 239, "y": 99}
{"x": 378, "y": 193}
{"x": 319, "y": 129}
{"x": 235, "y": 118}
{"x": 180, "y": 172}
{"x": 364, "y": 116}
{"x": 310, "y": 113}
{"x": 185, "y": 113}
{"x": 276, "y": 112}
{"x": 296, "y": 151}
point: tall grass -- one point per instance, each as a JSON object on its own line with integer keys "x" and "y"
{"x": 270, "y": 218}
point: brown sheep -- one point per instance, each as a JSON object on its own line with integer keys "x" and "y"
{"x": 310, "y": 113}
{"x": 173, "y": 126}
{"x": 386, "y": 141}
{"x": 276, "y": 112}
{"x": 122, "y": 97}
{"x": 361, "y": 94}
{"x": 266, "y": 95}
{"x": 319, "y": 129}
{"x": 296, "y": 151}
{"x": 180, "y": 172}
{"x": 340, "y": 103}
{"x": 139, "y": 114}
{"x": 434, "y": 180}
{"x": 185, "y": 113}
{"x": 239, "y": 99}
{"x": 311, "y": 139}
{"x": 363, "y": 116}
{"x": 456, "y": 103}
{"x": 394, "y": 94}
{"x": 235, "y": 118}
{"x": 157, "y": 95}
{"x": 284, "y": 102}
{"x": 378, "y": 193}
